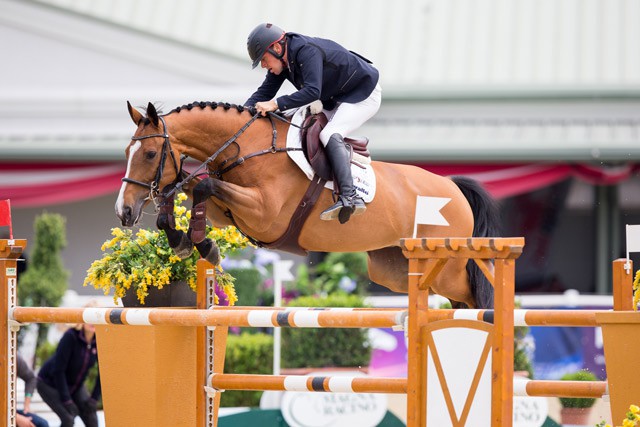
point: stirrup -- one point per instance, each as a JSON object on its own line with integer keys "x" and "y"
{"x": 351, "y": 206}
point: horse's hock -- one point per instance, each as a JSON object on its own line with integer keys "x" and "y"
{"x": 429, "y": 385}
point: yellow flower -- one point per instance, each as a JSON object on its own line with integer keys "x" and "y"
{"x": 133, "y": 263}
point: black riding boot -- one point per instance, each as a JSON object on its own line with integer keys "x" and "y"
{"x": 348, "y": 202}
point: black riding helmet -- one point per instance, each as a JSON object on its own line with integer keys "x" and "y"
{"x": 260, "y": 41}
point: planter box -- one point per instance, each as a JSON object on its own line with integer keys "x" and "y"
{"x": 148, "y": 375}
{"x": 620, "y": 331}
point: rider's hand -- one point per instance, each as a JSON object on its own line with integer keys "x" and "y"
{"x": 266, "y": 106}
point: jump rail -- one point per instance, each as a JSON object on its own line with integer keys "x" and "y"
{"x": 316, "y": 317}
{"x": 218, "y": 316}
{"x": 338, "y": 384}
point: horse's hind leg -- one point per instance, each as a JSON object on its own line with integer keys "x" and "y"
{"x": 198, "y": 224}
{"x": 389, "y": 267}
{"x": 178, "y": 240}
{"x": 453, "y": 284}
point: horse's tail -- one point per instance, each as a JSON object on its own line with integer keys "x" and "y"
{"x": 485, "y": 215}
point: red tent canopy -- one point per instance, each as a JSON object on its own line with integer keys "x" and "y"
{"x": 42, "y": 184}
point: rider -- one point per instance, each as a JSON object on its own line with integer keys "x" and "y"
{"x": 345, "y": 82}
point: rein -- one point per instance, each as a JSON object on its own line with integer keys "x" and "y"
{"x": 272, "y": 150}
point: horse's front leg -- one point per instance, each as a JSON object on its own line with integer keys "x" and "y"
{"x": 198, "y": 224}
{"x": 178, "y": 240}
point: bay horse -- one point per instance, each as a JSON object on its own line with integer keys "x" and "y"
{"x": 255, "y": 186}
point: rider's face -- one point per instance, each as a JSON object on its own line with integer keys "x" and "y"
{"x": 271, "y": 63}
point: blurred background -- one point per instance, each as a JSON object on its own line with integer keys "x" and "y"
{"x": 537, "y": 99}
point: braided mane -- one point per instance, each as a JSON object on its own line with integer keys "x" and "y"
{"x": 213, "y": 105}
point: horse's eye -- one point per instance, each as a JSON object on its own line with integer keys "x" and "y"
{"x": 150, "y": 155}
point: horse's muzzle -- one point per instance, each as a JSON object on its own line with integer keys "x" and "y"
{"x": 127, "y": 216}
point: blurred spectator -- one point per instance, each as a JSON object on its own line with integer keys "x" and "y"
{"x": 24, "y": 417}
{"x": 61, "y": 379}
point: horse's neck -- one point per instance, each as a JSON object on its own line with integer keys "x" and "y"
{"x": 200, "y": 133}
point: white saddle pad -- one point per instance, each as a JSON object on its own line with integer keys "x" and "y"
{"x": 364, "y": 179}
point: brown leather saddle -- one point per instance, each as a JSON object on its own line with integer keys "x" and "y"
{"x": 314, "y": 150}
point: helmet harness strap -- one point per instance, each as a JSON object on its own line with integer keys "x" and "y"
{"x": 282, "y": 41}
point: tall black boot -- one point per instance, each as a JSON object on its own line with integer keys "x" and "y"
{"x": 348, "y": 202}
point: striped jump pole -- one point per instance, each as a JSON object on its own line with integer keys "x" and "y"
{"x": 335, "y": 384}
{"x": 216, "y": 316}
{"x": 345, "y": 384}
{"x": 522, "y": 317}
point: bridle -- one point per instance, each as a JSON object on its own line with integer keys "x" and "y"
{"x": 166, "y": 148}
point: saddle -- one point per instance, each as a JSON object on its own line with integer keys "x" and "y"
{"x": 314, "y": 150}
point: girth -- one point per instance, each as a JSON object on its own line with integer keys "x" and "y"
{"x": 289, "y": 240}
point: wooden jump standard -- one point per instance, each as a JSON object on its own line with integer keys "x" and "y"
{"x": 427, "y": 257}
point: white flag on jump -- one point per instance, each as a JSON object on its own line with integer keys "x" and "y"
{"x": 282, "y": 270}
{"x": 428, "y": 211}
{"x": 633, "y": 241}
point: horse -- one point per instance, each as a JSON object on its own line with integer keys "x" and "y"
{"x": 253, "y": 185}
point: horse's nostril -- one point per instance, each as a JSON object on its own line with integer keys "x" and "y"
{"x": 126, "y": 215}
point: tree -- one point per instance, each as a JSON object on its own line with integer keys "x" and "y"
{"x": 45, "y": 281}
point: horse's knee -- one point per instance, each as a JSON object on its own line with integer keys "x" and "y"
{"x": 203, "y": 190}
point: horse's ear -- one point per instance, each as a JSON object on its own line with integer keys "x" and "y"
{"x": 152, "y": 114}
{"x": 135, "y": 114}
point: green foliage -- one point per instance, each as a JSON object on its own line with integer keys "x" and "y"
{"x": 578, "y": 402}
{"x": 247, "y": 354}
{"x": 247, "y": 284}
{"x": 44, "y": 282}
{"x": 320, "y": 347}
{"x": 521, "y": 361}
{"x": 44, "y": 352}
{"x": 331, "y": 275}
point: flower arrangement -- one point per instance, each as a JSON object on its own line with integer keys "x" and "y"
{"x": 135, "y": 262}
{"x": 633, "y": 416}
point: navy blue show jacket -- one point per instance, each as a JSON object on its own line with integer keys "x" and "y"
{"x": 322, "y": 70}
{"x": 68, "y": 368}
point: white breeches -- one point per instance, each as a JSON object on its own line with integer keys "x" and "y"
{"x": 347, "y": 118}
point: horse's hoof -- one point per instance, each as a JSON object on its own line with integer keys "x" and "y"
{"x": 213, "y": 256}
{"x": 184, "y": 248}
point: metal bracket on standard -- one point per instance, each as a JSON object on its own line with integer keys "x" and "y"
{"x": 211, "y": 392}
{"x": 14, "y": 326}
